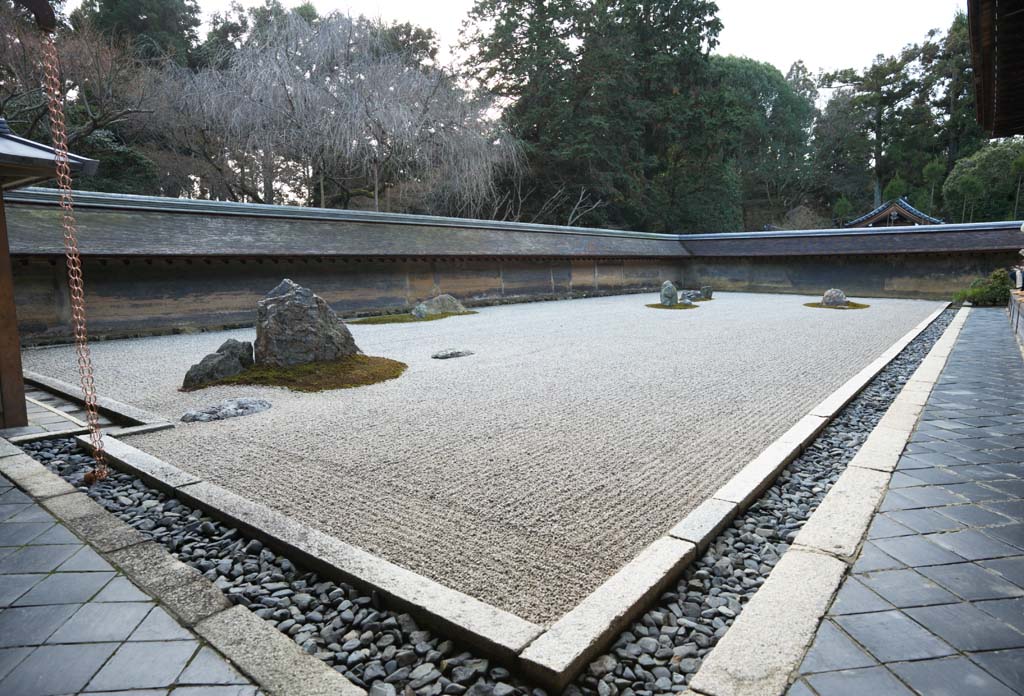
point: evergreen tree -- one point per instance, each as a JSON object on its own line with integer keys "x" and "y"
{"x": 156, "y": 27}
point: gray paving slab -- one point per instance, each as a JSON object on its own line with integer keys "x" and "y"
{"x": 1005, "y": 665}
{"x": 951, "y": 676}
{"x": 947, "y": 548}
{"x": 857, "y": 682}
{"x": 833, "y": 650}
{"x": 553, "y": 409}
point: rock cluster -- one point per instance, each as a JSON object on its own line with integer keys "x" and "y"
{"x": 442, "y": 304}
{"x": 228, "y": 408}
{"x": 834, "y": 297}
{"x": 388, "y": 653}
{"x": 294, "y": 326}
{"x": 229, "y": 360}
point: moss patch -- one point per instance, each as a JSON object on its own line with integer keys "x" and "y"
{"x": 353, "y": 371}
{"x": 708, "y": 299}
{"x": 658, "y": 305}
{"x": 849, "y": 305}
{"x": 405, "y": 318}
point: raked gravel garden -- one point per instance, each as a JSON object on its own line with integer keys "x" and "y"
{"x": 388, "y": 653}
{"x": 529, "y": 472}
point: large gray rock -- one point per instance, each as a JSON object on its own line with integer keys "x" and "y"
{"x": 230, "y": 359}
{"x": 669, "y": 294}
{"x": 294, "y": 326}
{"x": 834, "y": 298}
{"x": 442, "y": 304}
{"x": 706, "y": 292}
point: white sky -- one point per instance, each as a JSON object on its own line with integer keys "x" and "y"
{"x": 825, "y": 34}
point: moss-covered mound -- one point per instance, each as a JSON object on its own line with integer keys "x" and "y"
{"x": 658, "y": 305}
{"x": 849, "y": 305}
{"x": 353, "y": 371}
{"x": 405, "y": 318}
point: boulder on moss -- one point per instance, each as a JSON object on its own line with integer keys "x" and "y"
{"x": 442, "y": 304}
{"x": 669, "y": 294}
{"x": 834, "y": 297}
{"x": 294, "y": 326}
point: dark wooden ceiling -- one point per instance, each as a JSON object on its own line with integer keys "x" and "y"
{"x": 997, "y": 48}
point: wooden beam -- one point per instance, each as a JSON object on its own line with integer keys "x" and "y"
{"x": 12, "y": 385}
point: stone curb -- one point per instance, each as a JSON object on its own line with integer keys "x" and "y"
{"x": 560, "y": 652}
{"x": 756, "y": 655}
{"x": 492, "y": 630}
{"x": 143, "y": 421}
{"x": 277, "y": 665}
{"x": 764, "y": 647}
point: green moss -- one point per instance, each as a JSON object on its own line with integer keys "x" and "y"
{"x": 405, "y": 318}
{"x": 703, "y": 299}
{"x": 849, "y": 305}
{"x": 353, "y": 371}
{"x": 658, "y": 305}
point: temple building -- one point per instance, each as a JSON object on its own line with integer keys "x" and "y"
{"x": 894, "y": 213}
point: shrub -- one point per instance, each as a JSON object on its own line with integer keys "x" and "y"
{"x": 992, "y": 291}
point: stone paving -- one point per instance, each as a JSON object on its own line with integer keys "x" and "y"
{"x": 48, "y": 413}
{"x": 528, "y": 473}
{"x": 70, "y": 623}
{"x": 935, "y": 602}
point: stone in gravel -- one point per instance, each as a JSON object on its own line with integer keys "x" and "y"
{"x": 228, "y": 408}
{"x": 706, "y": 292}
{"x": 602, "y": 666}
{"x": 669, "y": 294}
{"x": 442, "y": 304}
{"x": 451, "y": 353}
{"x": 382, "y": 689}
{"x": 834, "y": 297}
{"x": 294, "y": 326}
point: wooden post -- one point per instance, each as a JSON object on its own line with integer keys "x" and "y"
{"x": 12, "y": 385}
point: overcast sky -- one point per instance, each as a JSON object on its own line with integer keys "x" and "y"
{"x": 825, "y": 34}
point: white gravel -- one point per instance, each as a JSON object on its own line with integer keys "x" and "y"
{"x": 529, "y": 472}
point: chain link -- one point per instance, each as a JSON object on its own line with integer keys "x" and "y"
{"x": 58, "y": 129}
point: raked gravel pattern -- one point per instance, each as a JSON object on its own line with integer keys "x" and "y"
{"x": 525, "y": 475}
{"x": 388, "y": 653}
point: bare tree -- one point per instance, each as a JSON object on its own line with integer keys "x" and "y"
{"x": 105, "y": 84}
{"x": 305, "y": 106}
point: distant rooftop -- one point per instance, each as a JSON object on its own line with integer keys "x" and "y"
{"x": 894, "y": 213}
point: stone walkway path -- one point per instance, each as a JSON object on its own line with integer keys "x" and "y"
{"x": 70, "y": 623}
{"x": 935, "y": 603}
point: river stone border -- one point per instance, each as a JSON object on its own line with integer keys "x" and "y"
{"x": 768, "y": 642}
{"x": 583, "y": 632}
